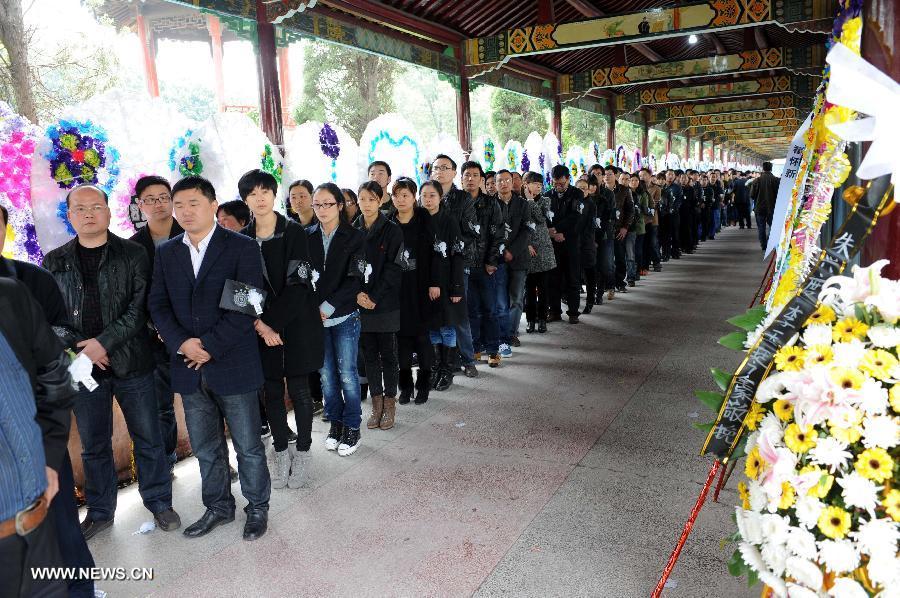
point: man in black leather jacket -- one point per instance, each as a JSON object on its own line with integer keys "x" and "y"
{"x": 104, "y": 281}
{"x": 564, "y": 231}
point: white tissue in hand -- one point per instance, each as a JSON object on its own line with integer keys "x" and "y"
{"x": 255, "y": 299}
{"x": 80, "y": 369}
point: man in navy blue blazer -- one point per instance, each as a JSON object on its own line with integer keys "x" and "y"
{"x": 214, "y": 353}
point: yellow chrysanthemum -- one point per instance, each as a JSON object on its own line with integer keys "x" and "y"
{"x": 848, "y": 329}
{"x": 744, "y": 494}
{"x": 894, "y": 397}
{"x": 851, "y": 34}
{"x": 819, "y": 355}
{"x": 834, "y": 522}
{"x": 825, "y": 481}
{"x": 847, "y": 378}
{"x": 800, "y": 440}
{"x": 891, "y": 504}
{"x": 823, "y": 315}
{"x": 875, "y": 464}
{"x": 846, "y": 434}
{"x": 878, "y": 363}
{"x": 783, "y": 409}
{"x": 790, "y": 359}
{"x": 754, "y": 416}
{"x": 755, "y": 463}
{"x": 788, "y": 496}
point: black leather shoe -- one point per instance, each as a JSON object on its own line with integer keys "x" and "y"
{"x": 542, "y": 326}
{"x": 167, "y": 520}
{"x": 530, "y": 328}
{"x": 256, "y": 526}
{"x": 210, "y": 521}
{"x": 587, "y": 308}
{"x": 91, "y": 528}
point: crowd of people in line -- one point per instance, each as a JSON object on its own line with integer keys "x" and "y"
{"x": 237, "y": 307}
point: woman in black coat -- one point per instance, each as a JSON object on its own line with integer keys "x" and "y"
{"x": 415, "y": 285}
{"x": 289, "y": 326}
{"x": 588, "y": 224}
{"x": 380, "y": 303}
{"x": 448, "y": 309}
{"x": 338, "y": 258}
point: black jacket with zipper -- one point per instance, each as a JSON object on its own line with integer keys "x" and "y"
{"x": 383, "y": 274}
{"x": 517, "y": 231}
{"x": 339, "y": 276}
{"x": 462, "y": 208}
{"x": 123, "y": 280}
{"x": 491, "y": 232}
{"x": 291, "y": 308}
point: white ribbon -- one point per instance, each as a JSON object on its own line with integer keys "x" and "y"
{"x": 314, "y": 279}
{"x": 367, "y": 273}
{"x": 256, "y": 300}
{"x": 858, "y": 85}
{"x": 80, "y": 369}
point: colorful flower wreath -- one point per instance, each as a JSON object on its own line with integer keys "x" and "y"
{"x": 526, "y": 162}
{"x": 268, "y": 164}
{"x": 189, "y": 163}
{"x": 489, "y": 155}
{"x": 78, "y": 155}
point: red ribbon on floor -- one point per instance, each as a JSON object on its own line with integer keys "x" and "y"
{"x": 688, "y": 526}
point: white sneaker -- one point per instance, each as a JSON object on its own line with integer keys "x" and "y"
{"x": 505, "y": 350}
{"x": 349, "y": 443}
{"x": 334, "y": 436}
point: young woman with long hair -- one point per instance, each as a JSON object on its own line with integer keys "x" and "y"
{"x": 379, "y": 301}
{"x": 337, "y": 255}
{"x": 415, "y": 287}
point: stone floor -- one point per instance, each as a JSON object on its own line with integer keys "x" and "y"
{"x": 568, "y": 471}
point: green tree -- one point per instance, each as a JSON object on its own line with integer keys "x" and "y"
{"x": 580, "y": 127}
{"x": 657, "y": 143}
{"x": 431, "y": 97}
{"x": 194, "y": 101}
{"x": 514, "y": 116}
{"x": 345, "y": 86}
{"x": 628, "y": 134}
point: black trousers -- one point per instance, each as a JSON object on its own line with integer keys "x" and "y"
{"x": 536, "y": 296}
{"x": 651, "y": 247}
{"x": 380, "y": 351}
{"x": 565, "y": 278}
{"x": 590, "y": 283}
{"x": 72, "y": 545}
{"x": 620, "y": 271}
{"x": 743, "y": 211}
{"x": 315, "y": 386}
{"x": 421, "y": 346}
{"x": 298, "y": 391}
{"x": 675, "y": 234}
{"x": 18, "y": 554}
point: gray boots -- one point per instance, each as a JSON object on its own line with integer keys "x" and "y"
{"x": 290, "y": 468}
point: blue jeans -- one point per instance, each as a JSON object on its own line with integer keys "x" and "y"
{"x": 516, "y": 297}
{"x": 445, "y": 336}
{"x": 204, "y": 412}
{"x": 165, "y": 404}
{"x": 464, "y": 330}
{"x": 484, "y": 310}
{"x": 340, "y": 379}
{"x": 630, "y": 264}
{"x": 94, "y": 417}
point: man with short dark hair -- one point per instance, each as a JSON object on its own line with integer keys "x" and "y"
{"x": 207, "y": 344}
{"x": 516, "y": 183}
{"x": 741, "y": 199}
{"x": 517, "y": 232}
{"x": 564, "y": 229}
{"x": 104, "y": 281}
{"x": 154, "y": 198}
{"x": 764, "y": 192}
{"x": 461, "y": 203}
{"x": 380, "y": 172}
{"x": 673, "y": 198}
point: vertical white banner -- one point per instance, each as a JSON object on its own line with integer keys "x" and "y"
{"x": 788, "y": 179}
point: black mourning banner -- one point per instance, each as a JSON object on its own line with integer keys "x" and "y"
{"x": 726, "y": 432}
{"x": 242, "y": 298}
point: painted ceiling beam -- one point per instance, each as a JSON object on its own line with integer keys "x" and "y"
{"x": 809, "y": 59}
{"x": 589, "y": 10}
{"x": 668, "y": 112}
{"x": 697, "y": 16}
{"x": 634, "y": 101}
{"x": 736, "y": 117}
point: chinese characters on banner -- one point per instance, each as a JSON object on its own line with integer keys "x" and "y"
{"x": 788, "y": 180}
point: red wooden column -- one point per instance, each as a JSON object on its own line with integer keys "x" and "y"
{"x": 284, "y": 77}
{"x": 148, "y": 49}
{"x": 611, "y": 129}
{"x": 556, "y": 121}
{"x": 687, "y": 145}
{"x": 645, "y": 136}
{"x": 215, "y": 36}
{"x": 267, "y": 72}
{"x": 700, "y": 151}
{"x": 668, "y": 139}
{"x": 463, "y": 105}
{"x": 881, "y": 47}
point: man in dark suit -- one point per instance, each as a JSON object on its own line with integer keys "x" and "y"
{"x": 517, "y": 230}
{"x": 154, "y": 197}
{"x": 764, "y": 191}
{"x": 215, "y": 360}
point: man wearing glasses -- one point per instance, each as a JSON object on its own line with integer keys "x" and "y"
{"x": 154, "y": 197}
{"x": 104, "y": 281}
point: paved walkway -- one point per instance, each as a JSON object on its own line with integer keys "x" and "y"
{"x": 569, "y": 471}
